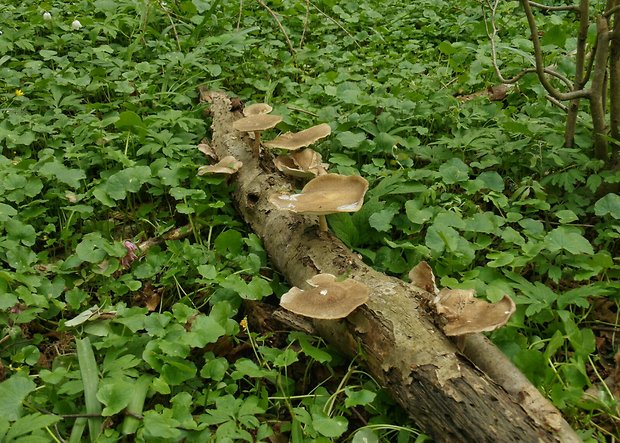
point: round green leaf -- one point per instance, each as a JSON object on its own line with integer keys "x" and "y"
{"x": 610, "y": 204}
{"x": 329, "y": 427}
{"x": 115, "y": 394}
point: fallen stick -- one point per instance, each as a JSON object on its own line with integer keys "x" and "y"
{"x": 454, "y": 395}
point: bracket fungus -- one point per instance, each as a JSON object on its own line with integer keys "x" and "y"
{"x": 422, "y": 276}
{"x": 295, "y": 140}
{"x": 306, "y": 163}
{"x": 466, "y": 314}
{"x": 257, "y": 109}
{"x": 327, "y": 298}
{"x": 227, "y": 165}
{"x": 256, "y": 123}
{"x": 325, "y": 194}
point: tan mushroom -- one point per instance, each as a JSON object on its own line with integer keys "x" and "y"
{"x": 295, "y": 140}
{"x": 227, "y": 165}
{"x": 325, "y": 194}
{"x": 207, "y": 149}
{"x": 327, "y": 298}
{"x": 422, "y": 276}
{"x": 466, "y": 314}
{"x": 256, "y": 124}
{"x": 257, "y": 109}
{"x": 306, "y": 163}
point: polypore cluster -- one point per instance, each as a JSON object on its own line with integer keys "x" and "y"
{"x": 325, "y": 194}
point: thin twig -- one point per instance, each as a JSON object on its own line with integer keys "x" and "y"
{"x": 306, "y": 20}
{"x": 555, "y": 8}
{"x": 295, "y": 108}
{"x": 334, "y": 21}
{"x": 612, "y": 11}
{"x": 240, "y": 14}
{"x": 557, "y": 103}
{"x": 279, "y": 23}
{"x": 538, "y": 57}
{"x": 175, "y": 234}
{"x": 492, "y": 34}
{"x": 174, "y": 28}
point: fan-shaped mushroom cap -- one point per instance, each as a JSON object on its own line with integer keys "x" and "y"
{"x": 325, "y": 194}
{"x": 302, "y": 164}
{"x": 296, "y": 140}
{"x": 257, "y": 109}
{"x": 422, "y": 276}
{"x": 258, "y": 122}
{"x": 227, "y": 165}
{"x": 467, "y": 314}
{"x": 327, "y": 298}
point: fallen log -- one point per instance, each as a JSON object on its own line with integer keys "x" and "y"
{"x": 463, "y": 391}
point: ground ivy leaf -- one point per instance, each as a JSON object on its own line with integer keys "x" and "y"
{"x": 6, "y": 212}
{"x": 610, "y": 204}
{"x": 416, "y": 213}
{"x": 566, "y": 216}
{"x": 365, "y": 435}
{"x": 214, "y": 368}
{"x": 207, "y": 271}
{"x": 28, "y": 424}
{"x": 127, "y": 180}
{"x": 492, "y": 180}
{"x": 454, "y": 171}
{"x": 20, "y": 232}
{"x": 286, "y": 358}
{"x": 90, "y": 249}
{"x": 68, "y": 176}
{"x": 342, "y": 225}
{"x": 440, "y": 238}
{"x": 203, "y": 330}
{"x": 311, "y": 351}
{"x": 499, "y": 259}
{"x": 350, "y": 139}
{"x": 568, "y": 240}
{"x": 382, "y": 220}
{"x": 329, "y": 427}
{"x": 115, "y": 394}
{"x": 359, "y": 397}
{"x": 177, "y": 370}
{"x": 161, "y": 426}
{"x": 12, "y": 392}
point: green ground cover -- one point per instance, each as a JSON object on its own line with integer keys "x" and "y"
{"x": 98, "y": 146}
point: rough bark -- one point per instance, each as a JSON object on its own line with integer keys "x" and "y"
{"x": 614, "y": 84}
{"x": 450, "y": 398}
{"x": 598, "y": 93}
{"x": 580, "y": 75}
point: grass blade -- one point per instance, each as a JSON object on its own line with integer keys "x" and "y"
{"x": 90, "y": 379}
{"x": 136, "y": 405}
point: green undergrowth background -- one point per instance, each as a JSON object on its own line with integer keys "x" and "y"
{"x": 98, "y": 146}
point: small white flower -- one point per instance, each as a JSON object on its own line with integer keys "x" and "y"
{"x": 76, "y": 25}
{"x": 47, "y": 16}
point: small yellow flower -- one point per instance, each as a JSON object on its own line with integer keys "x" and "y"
{"x": 19, "y": 92}
{"x": 244, "y": 324}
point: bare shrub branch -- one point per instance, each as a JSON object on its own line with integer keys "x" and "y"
{"x": 279, "y": 23}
